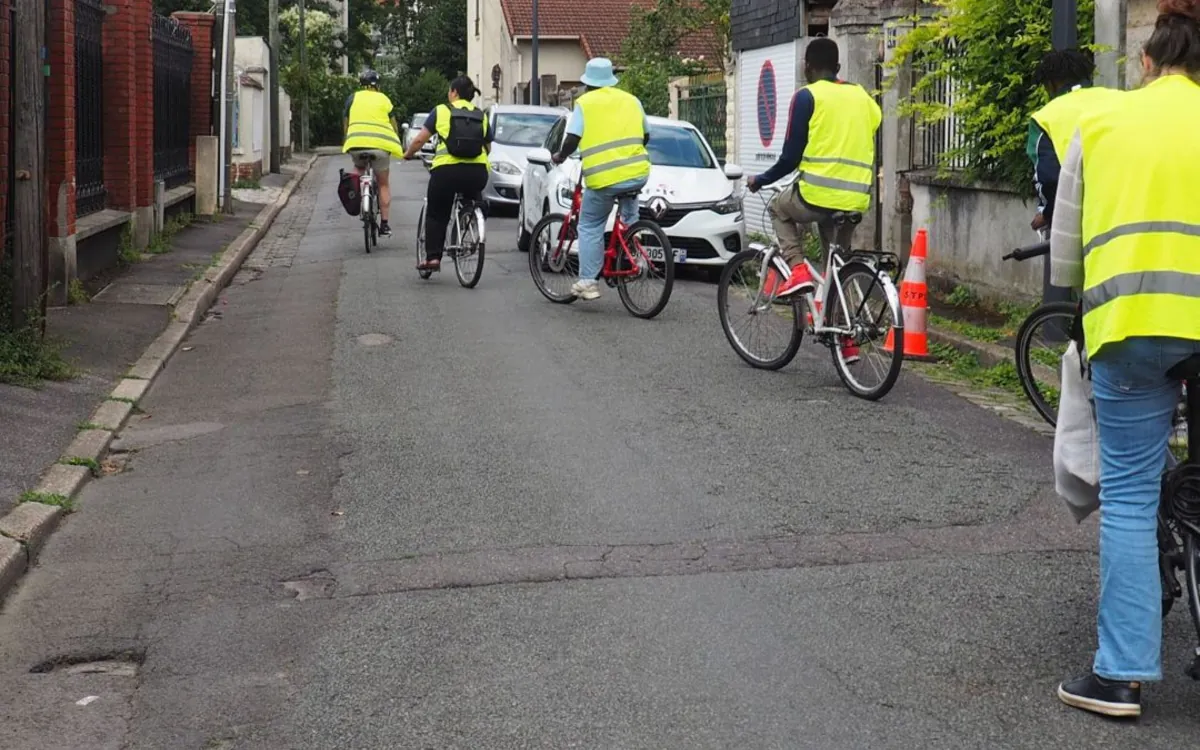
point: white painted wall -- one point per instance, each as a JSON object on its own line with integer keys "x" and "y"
{"x": 489, "y": 43}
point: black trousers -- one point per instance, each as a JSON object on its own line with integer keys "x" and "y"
{"x": 467, "y": 180}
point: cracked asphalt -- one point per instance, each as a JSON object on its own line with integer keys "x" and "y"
{"x": 367, "y": 511}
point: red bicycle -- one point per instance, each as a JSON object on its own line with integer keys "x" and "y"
{"x": 638, "y": 260}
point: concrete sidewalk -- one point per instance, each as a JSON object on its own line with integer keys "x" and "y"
{"x": 105, "y": 337}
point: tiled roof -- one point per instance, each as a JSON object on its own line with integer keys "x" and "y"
{"x": 600, "y": 25}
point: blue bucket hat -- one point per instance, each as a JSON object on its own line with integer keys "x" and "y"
{"x": 599, "y": 73}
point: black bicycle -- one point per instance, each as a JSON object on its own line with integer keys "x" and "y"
{"x": 1179, "y": 509}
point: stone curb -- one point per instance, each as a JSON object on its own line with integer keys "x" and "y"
{"x": 26, "y": 527}
{"x": 989, "y": 355}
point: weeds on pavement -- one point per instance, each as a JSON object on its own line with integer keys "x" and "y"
{"x": 27, "y": 356}
{"x": 60, "y": 501}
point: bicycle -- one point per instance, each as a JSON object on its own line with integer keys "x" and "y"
{"x": 824, "y": 312}
{"x": 464, "y": 241}
{"x": 1179, "y": 509}
{"x": 631, "y": 261}
{"x": 370, "y": 204}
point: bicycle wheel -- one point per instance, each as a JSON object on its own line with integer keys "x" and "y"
{"x": 874, "y": 323}
{"x": 468, "y": 261}
{"x": 421, "y": 245}
{"x": 366, "y": 222}
{"x": 746, "y": 311}
{"x": 1041, "y": 343}
{"x": 646, "y": 294}
{"x": 554, "y": 258}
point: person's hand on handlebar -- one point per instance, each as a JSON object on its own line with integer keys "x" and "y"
{"x": 1039, "y": 222}
{"x": 752, "y": 184}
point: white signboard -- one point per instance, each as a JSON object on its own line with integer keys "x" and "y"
{"x": 766, "y": 82}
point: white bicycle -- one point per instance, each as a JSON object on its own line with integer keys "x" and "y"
{"x": 854, "y": 310}
{"x": 370, "y": 204}
{"x": 464, "y": 241}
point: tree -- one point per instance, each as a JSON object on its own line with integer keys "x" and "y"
{"x": 986, "y": 50}
{"x": 652, "y": 52}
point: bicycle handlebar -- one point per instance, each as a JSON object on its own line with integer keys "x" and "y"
{"x": 1031, "y": 251}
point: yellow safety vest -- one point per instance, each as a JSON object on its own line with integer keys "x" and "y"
{"x": 613, "y": 146}
{"x": 1141, "y": 216}
{"x": 838, "y": 167}
{"x": 442, "y": 157}
{"x": 1060, "y": 118}
{"x": 371, "y": 124}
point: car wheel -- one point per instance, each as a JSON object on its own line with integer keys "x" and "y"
{"x": 523, "y": 236}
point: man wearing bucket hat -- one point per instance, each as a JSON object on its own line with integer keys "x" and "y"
{"x": 609, "y": 127}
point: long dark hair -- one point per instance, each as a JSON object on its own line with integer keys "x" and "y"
{"x": 1175, "y": 42}
{"x": 464, "y": 87}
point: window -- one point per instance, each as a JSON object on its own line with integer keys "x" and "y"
{"x": 523, "y": 128}
{"x": 678, "y": 147}
{"x": 554, "y": 138}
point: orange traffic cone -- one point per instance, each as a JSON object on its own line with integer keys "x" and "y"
{"x": 914, "y": 301}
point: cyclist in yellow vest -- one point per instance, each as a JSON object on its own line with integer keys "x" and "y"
{"x": 1127, "y": 231}
{"x": 609, "y": 128}
{"x": 830, "y": 141}
{"x": 460, "y": 162}
{"x": 1067, "y": 77}
{"x": 371, "y": 132}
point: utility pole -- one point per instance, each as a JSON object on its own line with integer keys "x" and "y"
{"x": 535, "y": 84}
{"x": 273, "y": 87}
{"x": 29, "y": 85}
{"x": 231, "y": 92}
{"x": 1064, "y": 34}
{"x": 304, "y": 77}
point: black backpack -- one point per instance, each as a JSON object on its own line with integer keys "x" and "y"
{"x": 465, "y": 138}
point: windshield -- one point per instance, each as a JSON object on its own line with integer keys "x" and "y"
{"x": 677, "y": 147}
{"x": 418, "y": 121}
{"x": 522, "y": 128}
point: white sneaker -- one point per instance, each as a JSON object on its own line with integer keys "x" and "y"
{"x": 586, "y": 290}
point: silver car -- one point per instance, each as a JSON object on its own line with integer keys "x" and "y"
{"x": 517, "y": 129}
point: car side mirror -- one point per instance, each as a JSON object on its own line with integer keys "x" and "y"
{"x": 404, "y": 127}
{"x": 539, "y": 156}
{"x": 734, "y": 172}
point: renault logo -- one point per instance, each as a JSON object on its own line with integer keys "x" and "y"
{"x": 658, "y": 207}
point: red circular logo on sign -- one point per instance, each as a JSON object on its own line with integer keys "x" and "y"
{"x": 767, "y": 101}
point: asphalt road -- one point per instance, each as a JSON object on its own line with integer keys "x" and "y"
{"x": 369, "y": 511}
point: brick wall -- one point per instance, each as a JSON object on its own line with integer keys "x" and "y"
{"x": 143, "y": 86}
{"x": 60, "y": 119}
{"x": 247, "y": 170}
{"x": 120, "y": 102}
{"x": 202, "y": 26}
{"x": 5, "y": 131}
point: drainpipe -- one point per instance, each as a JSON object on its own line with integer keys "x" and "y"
{"x": 223, "y": 146}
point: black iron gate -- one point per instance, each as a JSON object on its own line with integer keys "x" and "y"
{"x": 90, "y": 194}
{"x": 172, "y": 100}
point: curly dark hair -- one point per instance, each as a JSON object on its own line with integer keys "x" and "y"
{"x": 1066, "y": 67}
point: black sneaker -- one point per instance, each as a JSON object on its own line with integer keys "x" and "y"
{"x": 1101, "y": 696}
{"x": 385, "y": 230}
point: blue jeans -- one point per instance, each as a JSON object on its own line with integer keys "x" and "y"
{"x": 1135, "y": 401}
{"x": 593, "y": 217}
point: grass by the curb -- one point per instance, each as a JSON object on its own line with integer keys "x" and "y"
{"x": 82, "y": 426}
{"x": 970, "y": 330}
{"x": 1002, "y": 376}
{"x": 90, "y": 463}
{"x": 45, "y": 498}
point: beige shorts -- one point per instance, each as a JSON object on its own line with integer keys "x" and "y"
{"x": 382, "y": 158}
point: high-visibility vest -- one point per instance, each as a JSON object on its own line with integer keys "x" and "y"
{"x": 838, "y": 167}
{"x": 441, "y": 156}
{"x": 1060, "y": 118}
{"x": 371, "y": 124}
{"x": 1141, "y": 216}
{"x": 613, "y": 146}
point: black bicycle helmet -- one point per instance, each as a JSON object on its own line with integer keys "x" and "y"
{"x": 369, "y": 78}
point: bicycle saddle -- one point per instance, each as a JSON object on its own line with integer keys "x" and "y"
{"x": 1188, "y": 369}
{"x": 841, "y": 218}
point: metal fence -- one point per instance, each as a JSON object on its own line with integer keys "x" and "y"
{"x": 172, "y": 100}
{"x": 939, "y": 144}
{"x": 10, "y": 228}
{"x": 704, "y": 107}
{"x": 90, "y": 193}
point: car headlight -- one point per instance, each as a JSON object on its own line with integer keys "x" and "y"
{"x": 730, "y": 205}
{"x": 504, "y": 167}
{"x": 565, "y": 195}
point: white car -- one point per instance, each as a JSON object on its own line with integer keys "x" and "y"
{"x": 695, "y": 201}
{"x": 410, "y": 131}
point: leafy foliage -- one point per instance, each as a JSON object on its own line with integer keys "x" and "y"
{"x": 988, "y": 50}
{"x": 652, "y": 52}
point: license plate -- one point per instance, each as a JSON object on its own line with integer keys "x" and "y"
{"x": 656, "y": 254}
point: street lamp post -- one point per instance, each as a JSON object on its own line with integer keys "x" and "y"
{"x": 1064, "y": 34}
{"x": 535, "y": 84}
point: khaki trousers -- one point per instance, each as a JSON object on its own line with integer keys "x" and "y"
{"x": 792, "y": 218}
